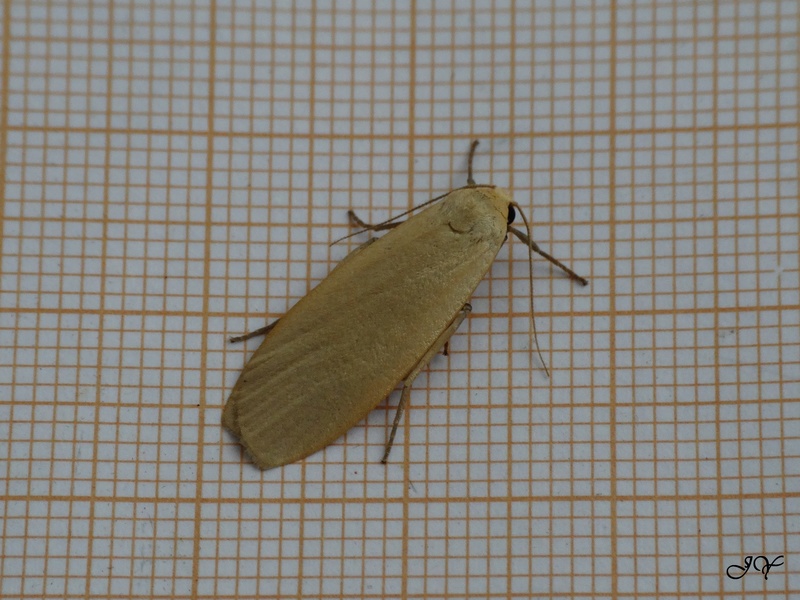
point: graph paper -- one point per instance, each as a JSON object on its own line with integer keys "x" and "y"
{"x": 173, "y": 173}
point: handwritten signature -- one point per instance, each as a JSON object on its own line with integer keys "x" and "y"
{"x": 753, "y": 561}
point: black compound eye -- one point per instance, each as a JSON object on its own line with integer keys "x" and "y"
{"x": 512, "y": 214}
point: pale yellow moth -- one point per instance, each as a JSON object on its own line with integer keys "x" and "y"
{"x": 376, "y": 320}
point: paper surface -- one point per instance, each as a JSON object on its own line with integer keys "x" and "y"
{"x": 174, "y": 173}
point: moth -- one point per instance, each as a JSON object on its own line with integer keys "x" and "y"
{"x": 375, "y": 321}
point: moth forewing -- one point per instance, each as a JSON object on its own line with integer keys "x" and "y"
{"x": 346, "y": 345}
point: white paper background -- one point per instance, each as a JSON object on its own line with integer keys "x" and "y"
{"x": 174, "y": 173}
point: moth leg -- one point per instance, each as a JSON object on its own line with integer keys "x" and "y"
{"x": 357, "y": 222}
{"x": 266, "y": 329}
{"x": 252, "y": 334}
{"x": 424, "y": 361}
{"x": 535, "y": 247}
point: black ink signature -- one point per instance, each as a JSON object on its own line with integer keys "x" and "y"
{"x": 753, "y": 561}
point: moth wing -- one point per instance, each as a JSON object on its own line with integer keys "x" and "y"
{"x": 346, "y": 345}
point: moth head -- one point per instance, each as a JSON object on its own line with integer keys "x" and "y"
{"x": 512, "y": 214}
{"x": 500, "y": 200}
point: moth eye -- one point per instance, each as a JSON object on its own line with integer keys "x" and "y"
{"x": 512, "y": 214}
